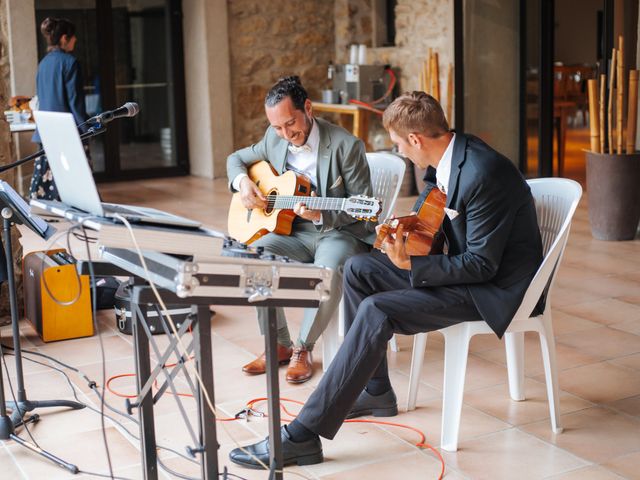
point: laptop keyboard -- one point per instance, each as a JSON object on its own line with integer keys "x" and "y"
{"x": 114, "y": 208}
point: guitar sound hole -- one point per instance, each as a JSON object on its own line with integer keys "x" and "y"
{"x": 270, "y": 203}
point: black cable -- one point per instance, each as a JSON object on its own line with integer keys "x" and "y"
{"x": 94, "y": 387}
{"x": 94, "y": 310}
{"x": 15, "y": 400}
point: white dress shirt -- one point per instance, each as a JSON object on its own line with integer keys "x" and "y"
{"x": 443, "y": 171}
{"x": 305, "y": 163}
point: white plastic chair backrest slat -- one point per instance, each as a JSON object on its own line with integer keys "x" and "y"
{"x": 556, "y": 201}
{"x": 387, "y": 172}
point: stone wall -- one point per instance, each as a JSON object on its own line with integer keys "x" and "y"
{"x": 420, "y": 25}
{"x": 269, "y": 40}
{"x": 6, "y": 144}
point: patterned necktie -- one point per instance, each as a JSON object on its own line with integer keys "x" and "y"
{"x": 295, "y": 149}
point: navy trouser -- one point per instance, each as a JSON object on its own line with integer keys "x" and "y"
{"x": 379, "y": 301}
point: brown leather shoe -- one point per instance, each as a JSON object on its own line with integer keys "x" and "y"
{"x": 259, "y": 365}
{"x": 300, "y": 367}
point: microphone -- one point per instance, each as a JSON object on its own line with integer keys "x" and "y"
{"x": 129, "y": 109}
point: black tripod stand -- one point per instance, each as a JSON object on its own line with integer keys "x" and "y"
{"x": 14, "y": 212}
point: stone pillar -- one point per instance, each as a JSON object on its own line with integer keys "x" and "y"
{"x": 208, "y": 87}
{"x": 22, "y": 54}
{"x": 7, "y": 151}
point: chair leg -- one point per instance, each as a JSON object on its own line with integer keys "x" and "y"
{"x": 456, "y": 350}
{"x": 330, "y": 341}
{"x": 514, "y": 346}
{"x": 417, "y": 357}
{"x": 548, "y": 347}
{"x": 394, "y": 344}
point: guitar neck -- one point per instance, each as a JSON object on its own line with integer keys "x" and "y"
{"x": 287, "y": 202}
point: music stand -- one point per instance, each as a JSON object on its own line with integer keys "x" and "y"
{"x": 15, "y": 210}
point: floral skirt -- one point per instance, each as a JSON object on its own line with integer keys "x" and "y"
{"x": 42, "y": 184}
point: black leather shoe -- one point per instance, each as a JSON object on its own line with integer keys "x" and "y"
{"x": 384, "y": 405}
{"x": 308, "y": 452}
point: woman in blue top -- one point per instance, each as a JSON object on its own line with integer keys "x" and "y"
{"x": 59, "y": 88}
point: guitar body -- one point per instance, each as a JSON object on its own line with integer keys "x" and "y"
{"x": 246, "y": 225}
{"x": 422, "y": 231}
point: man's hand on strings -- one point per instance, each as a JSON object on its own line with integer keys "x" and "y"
{"x": 301, "y": 210}
{"x": 251, "y": 195}
{"x": 394, "y": 245}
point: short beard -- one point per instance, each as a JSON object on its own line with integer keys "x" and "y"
{"x": 309, "y": 124}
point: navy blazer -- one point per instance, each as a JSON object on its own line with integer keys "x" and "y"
{"x": 59, "y": 86}
{"x": 494, "y": 243}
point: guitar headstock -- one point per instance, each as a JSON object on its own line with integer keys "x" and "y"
{"x": 363, "y": 208}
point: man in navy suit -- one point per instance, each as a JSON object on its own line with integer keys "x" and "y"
{"x": 493, "y": 249}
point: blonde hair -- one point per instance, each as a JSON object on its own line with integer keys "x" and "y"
{"x": 415, "y": 112}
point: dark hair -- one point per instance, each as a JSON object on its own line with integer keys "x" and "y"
{"x": 287, "y": 87}
{"x": 415, "y": 112}
{"x": 53, "y": 28}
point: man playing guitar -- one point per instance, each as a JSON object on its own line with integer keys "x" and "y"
{"x": 335, "y": 163}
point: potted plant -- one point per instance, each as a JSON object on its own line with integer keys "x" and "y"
{"x": 613, "y": 164}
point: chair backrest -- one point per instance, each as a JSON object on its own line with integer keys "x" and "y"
{"x": 556, "y": 201}
{"x": 387, "y": 172}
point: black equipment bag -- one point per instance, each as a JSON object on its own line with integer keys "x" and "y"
{"x": 106, "y": 288}
{"x": 179, "y": 313}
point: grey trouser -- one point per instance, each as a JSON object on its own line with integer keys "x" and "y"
{"x": 305, "y": 244}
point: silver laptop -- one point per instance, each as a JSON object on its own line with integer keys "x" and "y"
{"x": 74, "y": 180}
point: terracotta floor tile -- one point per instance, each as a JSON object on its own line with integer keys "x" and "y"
{"x": 606, "y": 342}
{"x": 567, "y": 357}
{"x": 496, "y": 401}
{"x": 511, "y": 454}
{"x": 595, "y": 472}
{"x": 427, "y": 417}
{"x": 358, "y": 444}
{"x": 605, "y": 311}
{"x": 629, "y": 361}
{"x": 599, "y": 382}
{"x": 630, "y": 406}
{"x": 412, "y": 465}
{"x": 627, "y": 466}
{"x": 617, "y": 434}
{"x": 564, "y": 323}
{"x": 596, "y": 309}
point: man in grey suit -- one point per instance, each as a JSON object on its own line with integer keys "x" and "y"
{"x": 335, "y": 162}
{"x": 493, "y": 251}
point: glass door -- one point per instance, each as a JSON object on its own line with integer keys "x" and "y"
{"x": 130, "y": 51}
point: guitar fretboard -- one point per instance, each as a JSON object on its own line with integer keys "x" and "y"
{"x": 314, "y": 203}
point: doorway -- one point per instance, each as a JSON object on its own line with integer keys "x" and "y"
{"x": 130, "y": 51}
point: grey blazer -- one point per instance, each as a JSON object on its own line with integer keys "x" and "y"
{"x": 343, "y": 171}
{"x": 494, "y": 243}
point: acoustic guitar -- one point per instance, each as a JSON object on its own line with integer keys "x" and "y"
{"x": 422, "y": 231}
{"x": 283, "y": 192}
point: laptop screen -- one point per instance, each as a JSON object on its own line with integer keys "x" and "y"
{"x": 67, "y": 160}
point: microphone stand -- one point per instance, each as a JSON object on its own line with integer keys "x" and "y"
{"x": 22, "y": 405}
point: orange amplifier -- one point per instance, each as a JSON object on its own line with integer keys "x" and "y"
{"x": 68, "y": 313}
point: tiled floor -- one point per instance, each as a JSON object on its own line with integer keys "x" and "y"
{"x": 596, "y": 307}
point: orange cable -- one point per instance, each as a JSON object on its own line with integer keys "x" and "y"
{"x": 251, "y": 406}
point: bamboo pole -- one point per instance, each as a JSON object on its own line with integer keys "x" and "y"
{"x": 450, "y": 93}
{"x": 601, "y": 100}
{"x": 632, "y": 111}
{"x": 435, "y": 77}
{"x": 592, "y": 85}
{"x": 620, "y": 96}
{"x": 612, "y": 76}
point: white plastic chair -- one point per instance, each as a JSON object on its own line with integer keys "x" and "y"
{"x": 556, "y": 200}
{"x": 387, "y": 172}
